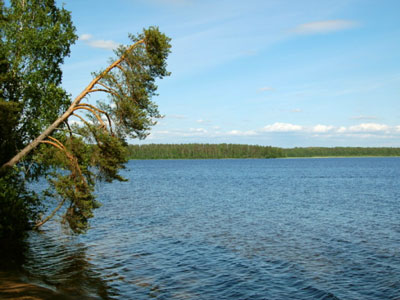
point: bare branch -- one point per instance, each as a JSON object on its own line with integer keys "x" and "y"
{"x": 74, "y": 163}
{"x": 69, "y": 128}
{"x": 53, "y": 144}
{"x": 92, "y": 111}
{"x": 100, "y": 90}
{"x": 122, "y": 69}
{"x": 111, "y": 91}
{"x": 40, "y": 223}
{"x": 100, "y": 111}
{"x": 115, "y": 81}
{"x": 107, "y": 87}
{"x": 58, "y": 142}
{"x": 82, "y": 119}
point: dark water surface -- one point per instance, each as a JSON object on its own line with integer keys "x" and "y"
{"x": 234, "y": 229}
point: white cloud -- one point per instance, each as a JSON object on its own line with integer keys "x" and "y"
{"x": 324, "y": 26}
{"x": 75, "y": 122}
{"x": 242, "y": 133}
{"x": 179, "y": 117}
{"x": 319, "y": 132}
{"x": 266, "y": 89}
{"x": 198, "y": 130}
{"x": 369, "y": 127}
{"x": 361, "y": 117}
{"x": 85, "y": 37}
{"x": 201, "y": 121}
{"x": 282, "y": 127}
{"x": 322, "y": 128}
{"x": 102, "y": 44}
{"x": 162, "y": 132}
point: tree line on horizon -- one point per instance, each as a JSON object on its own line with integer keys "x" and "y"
{"x": 220, "y": 151}
{"x": 202, "y": 151}
{"x": 341, "y": 151}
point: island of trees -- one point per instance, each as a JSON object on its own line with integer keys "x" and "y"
{"x": 218, "y": 151}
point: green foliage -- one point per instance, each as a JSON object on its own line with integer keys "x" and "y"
{"x": 35, "y": 38}
{"x": 9, "y": 117}
{"x": 341, "y": 151}
{"x": 132, "y": 85}
{"x": 202, "y": 151}
{"x": 19, "y": 207}
{"x": 96, "y": 150}
{"x": 212, "y": 151}
{"x": 73, "y": 173}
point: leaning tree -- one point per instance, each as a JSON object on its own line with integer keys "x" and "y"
{"x": 86, "y": 142}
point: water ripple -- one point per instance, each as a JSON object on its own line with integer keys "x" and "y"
{"x": 234, "y": 229}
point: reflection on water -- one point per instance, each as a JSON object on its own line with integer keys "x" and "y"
{"x": 63, "y": 263}
{"x": 55, "y": 259}
{"x": 233, "y": 229}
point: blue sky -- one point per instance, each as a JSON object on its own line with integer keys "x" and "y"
{"x": 284, "y": 73}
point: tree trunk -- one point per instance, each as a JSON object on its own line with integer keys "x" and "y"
{"x": 65, "y": 115}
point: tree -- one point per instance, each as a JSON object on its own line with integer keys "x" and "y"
{"x": 73, "y": 157}
{"x": 30, "y": 78}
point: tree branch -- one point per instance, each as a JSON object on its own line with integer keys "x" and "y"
{"x": 107, "y": 87}
{"x": 75, "y": 166}
{"x": 115, "y": 81}
{"x": 82, "y": 119}
{"x": 112, "y": 92}
{"x": 80, "y": 106}
{"x": 100, "y": 111}
{"x": 47, "y": 132}
{"x": 37, "y": 225}
{"x": 69, "y": 128}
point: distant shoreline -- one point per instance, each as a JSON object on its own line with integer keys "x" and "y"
{"x": 243, "y": 151}
{"x": 359, "y": 156}
{"x": 303, "y": 157}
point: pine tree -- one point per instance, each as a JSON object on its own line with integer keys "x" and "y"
{"x": 38, "y": 138}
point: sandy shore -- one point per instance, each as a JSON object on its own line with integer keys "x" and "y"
{"x": 12, "y": 287}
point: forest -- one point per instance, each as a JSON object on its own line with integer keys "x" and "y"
{"x": 202, "y": 151}
{"x": 341, "y": 151}
{"x": 219, "y": 151}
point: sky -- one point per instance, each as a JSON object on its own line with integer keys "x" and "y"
{"x": 284, "y": 73}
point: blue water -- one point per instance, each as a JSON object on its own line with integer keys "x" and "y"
{"x": 234, "y": 229}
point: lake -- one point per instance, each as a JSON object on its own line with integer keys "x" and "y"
{"x": 234, "y": 229}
